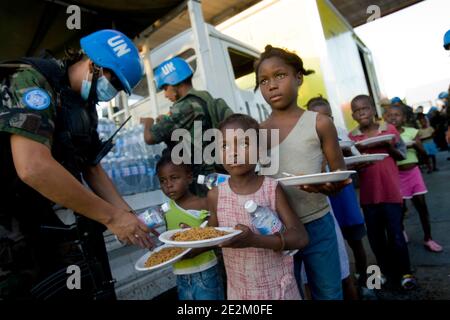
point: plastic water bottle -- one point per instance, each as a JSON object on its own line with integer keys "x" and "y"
{"x": 125, "y": 144}
{"x": 266, "y": 221}
{"x": 150, "y": 172}
{"x": 119, "y": 144}
{"x": 134, "y": 177}
{"x": 263, "y": 218}
{"x": 132, "y": 143}
{"x": 140, "y": 143}
{"x": 125, "y": 174}
{"x": 153, "y": 217}
{"x": 116, "y": 175}
{"x": 143, "y": 180}
{"x": 212, "y": 179}
{"x": 149, "y": 150}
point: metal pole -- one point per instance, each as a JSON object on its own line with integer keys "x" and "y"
{"x": 154, "y": 107}
{"x": 201, "y": 41}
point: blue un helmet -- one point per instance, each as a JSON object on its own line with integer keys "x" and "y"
{"x": 447, "y": 40}
{"x": 396, "y": 100}
{"x": 172, "y": 72}
{"x": 443, "y": 95}
{"x": 113, "y": 50}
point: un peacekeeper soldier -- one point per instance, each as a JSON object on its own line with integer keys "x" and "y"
{"x": 48, "y": 144}
{"x": 174, "y": 76}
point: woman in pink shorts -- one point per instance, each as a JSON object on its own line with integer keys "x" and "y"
{"x": 412, "y": 185}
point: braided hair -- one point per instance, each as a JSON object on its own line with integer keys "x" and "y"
{"x": 317, "y": 101}
{"x": 290, "y": 58}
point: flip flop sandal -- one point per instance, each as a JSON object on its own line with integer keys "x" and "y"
{"x": 433, "y": 246}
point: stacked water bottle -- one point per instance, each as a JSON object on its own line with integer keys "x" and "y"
{"x": 105, "y": 128}
{"x": 131, "y": 164}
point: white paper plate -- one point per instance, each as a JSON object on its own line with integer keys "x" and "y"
{"x": 318, "y": 178}
{"x": 166, "y": 237}
{"x": 368, "y": 141}
{"x": 140, "y": 264}
{"x": 346, "y": 143}
{"x": 365, "y": 158}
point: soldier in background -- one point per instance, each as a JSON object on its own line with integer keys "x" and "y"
{"x": 174, "y": 76}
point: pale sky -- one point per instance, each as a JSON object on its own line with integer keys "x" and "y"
{"x": 408, "y": 50}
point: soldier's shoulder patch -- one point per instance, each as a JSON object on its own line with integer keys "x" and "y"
{"x": 36, "y": 98}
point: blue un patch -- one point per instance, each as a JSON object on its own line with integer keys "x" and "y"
{"x": 36, "y": 99}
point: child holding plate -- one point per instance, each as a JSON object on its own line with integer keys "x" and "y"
{"x": 256, "y": 268}
{"x": 305, "y": 139}
{"x": 412, "y": 185}
{"x": 380, "y": 195}
{"x": 347, "y": 211}
{"x": 198, "y": 276}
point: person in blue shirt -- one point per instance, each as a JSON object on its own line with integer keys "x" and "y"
{"x": 346, "y": 207}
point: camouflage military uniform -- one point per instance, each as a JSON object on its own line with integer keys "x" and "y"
{"x": 38, "y": 125}
{"x": 183, "y": 114}
{"x": 30, "y": 255}
{"x": 16, "y": 117}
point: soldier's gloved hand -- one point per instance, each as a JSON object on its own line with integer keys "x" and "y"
{"x": 129, "y": 229}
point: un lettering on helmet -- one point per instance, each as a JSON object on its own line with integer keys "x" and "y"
{"x": 168, "y": 68}
{"x": 119, "y": 46}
